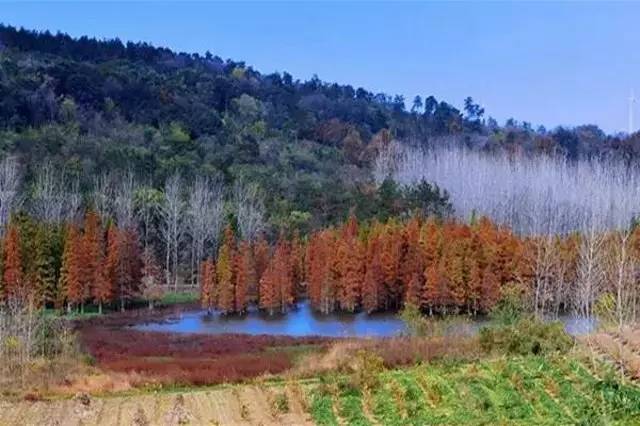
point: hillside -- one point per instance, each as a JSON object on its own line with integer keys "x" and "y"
{"x": 93, "y": 107}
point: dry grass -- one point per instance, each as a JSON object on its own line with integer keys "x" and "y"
{"x": 396, "y": 351}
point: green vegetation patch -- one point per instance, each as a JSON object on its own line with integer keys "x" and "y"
{"x": 524, "y": 390}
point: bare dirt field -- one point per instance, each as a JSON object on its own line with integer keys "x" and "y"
{"x": 621, "y": 346}
{"x": 240, "y": 405}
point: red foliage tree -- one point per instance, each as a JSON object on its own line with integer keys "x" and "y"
{"x": 71, "y": 271}
{"x": 93, "y": 278}
{"x": 373, "y": 278}
{"x": 351, "y": 256}
{"x": 412, "y": 263}
{"x": 111, "y": 264}
{"x": 245, "y": 276}
{"x": 225, "y": 272}
{"x": 208, "y": 280}
{"x": 130, "y": 270}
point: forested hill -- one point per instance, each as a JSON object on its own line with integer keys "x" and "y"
{"x": 93, "y": 106}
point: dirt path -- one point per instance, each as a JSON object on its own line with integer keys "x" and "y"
{"x": 239, "y": 405}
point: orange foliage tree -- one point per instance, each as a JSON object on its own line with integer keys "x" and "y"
{"x": 225, "y": 273}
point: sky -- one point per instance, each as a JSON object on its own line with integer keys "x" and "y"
{"x": 545, "y": 63}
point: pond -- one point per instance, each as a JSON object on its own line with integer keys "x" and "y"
{"x": 303, "y": 321}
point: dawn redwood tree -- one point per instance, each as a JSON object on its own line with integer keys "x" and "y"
{"x": 151, "y": 281}
{"x": 314, "y": 265}
{"x": 208, "y": 280}
{"x": 261, "y": 255}
{"x": 130, "y": 266}
{"x": 245, "y": 276}
{"x": 225, "y": 272}
{"x": 71, "y": 274}
{"x": 412, "y": 264}
{"x": 297, "y": 263}
{"x": 431, "y": 290}
{"x": 92, "y": 262}
{"x": 373, "y": 277}
{"x": 390, "y": 260}
{"x": 284, "y": 272}
{"x": 269, "y": 301}
{"x": 350, "y": 253}
{"x": 111, "y": 264}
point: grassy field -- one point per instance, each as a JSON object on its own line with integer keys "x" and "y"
{"x": 530, "y": 390}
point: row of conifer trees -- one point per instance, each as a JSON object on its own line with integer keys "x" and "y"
{"x": 438, "y": 266}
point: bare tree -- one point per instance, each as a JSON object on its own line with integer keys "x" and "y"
{"x": 204, "y": 216}
{"x": 54, "y": 198}
{"x": 523, "y": 192}
{"x": 10, "y": 178}
{"x": 103, "y": 196}
{"x": 250, "y": 210}
{"x": 124, "y": 200}
{"x": 73, "y": 197}
{"x": 148, "y": 201}
{"x": 172, "y": 212}
{"x": 543, "y": 256}
{"x": 591, "y": 273}
{"x": 622, "y": 269}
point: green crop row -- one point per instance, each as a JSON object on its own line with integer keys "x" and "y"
{"x": 520, "y": 391}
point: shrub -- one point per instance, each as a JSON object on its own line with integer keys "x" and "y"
{"x": 527, "y": 336}
{"x": 366, "y": 369}
{"x": 511, "y": 306}
{"x": 281, "y": 403}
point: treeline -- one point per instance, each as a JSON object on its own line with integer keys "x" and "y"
{"x": 74, "y": 264}
{"x": 92, "y": 107}
{"x": 438, "y": 266}
{"x": 441, "y": 267}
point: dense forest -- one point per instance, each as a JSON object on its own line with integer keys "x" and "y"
{"x": 127, "y": 167}
{"x": 92, "y": 107}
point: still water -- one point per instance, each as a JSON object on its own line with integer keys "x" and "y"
{"x": 303, "y": 321}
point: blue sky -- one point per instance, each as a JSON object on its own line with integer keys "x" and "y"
{"x": 546, "y": 63}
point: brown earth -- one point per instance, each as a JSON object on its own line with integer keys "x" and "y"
{"x": 238, "y": 405}
{"x": 622, "y": 346}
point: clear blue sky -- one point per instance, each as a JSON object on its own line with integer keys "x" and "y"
{"x": 546, "y": 63}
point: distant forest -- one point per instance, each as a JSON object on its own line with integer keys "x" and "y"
{"x": 92, "y": 107}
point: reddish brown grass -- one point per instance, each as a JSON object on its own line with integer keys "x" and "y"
{"x": 191, "y": 359}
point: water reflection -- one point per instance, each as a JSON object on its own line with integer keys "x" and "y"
{"x": 303, "y": 321}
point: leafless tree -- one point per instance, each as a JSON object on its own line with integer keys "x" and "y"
{"x": 125, "y": 200}
{"x": 528, "y": 193}
{"x": 55, "y": 196}
{"x": 591, "y": 269}
{"x": 249, "y": 204}
{"x": 10, "y": 178}
{"x": 172, "y": 212}
{"x": 543, "y": 256}
{"x": 103, "y": 196}
{"x": 622, "y": 270}
{"x": 204, "y": 216}
{"x": 73, "y": 199}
